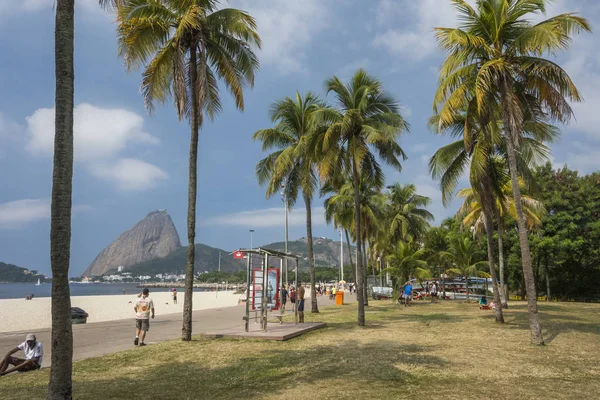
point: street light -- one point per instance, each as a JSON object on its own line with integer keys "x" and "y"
{"x": 251, "y": 232}
{"x": 341, "y": 255}
{"x": 284, "y": 199}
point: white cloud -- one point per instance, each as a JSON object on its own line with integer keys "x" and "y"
{"x": 22, "y": 212}
{"x": 269, "y": 217}
{"x": 286, "y": 28}
{"x": 99, "y": 133}
{"x": 416, "y": 42}
{"x": 129, "y": 174}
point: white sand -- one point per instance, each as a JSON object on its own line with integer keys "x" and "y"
{"x": 23, "y": 315}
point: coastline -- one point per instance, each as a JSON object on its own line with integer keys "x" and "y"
{"x": 23, "y": 315}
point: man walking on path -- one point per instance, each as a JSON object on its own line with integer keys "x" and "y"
{"x": 300, "y": 300}
{"x": 174, "y": 293}
{"x": 407, "y": 293}
{"x": 143, "y": 306}
{"x": 284, "y": 295}
{"x": 33, "y": 357}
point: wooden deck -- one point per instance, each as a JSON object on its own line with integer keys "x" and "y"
{"x": 279, "y": 332}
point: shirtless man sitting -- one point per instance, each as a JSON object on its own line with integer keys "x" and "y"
{"x": 33, "y": 357}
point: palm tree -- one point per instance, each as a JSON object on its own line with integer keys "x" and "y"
{"x": 366, "y": 119}
{"x": 293, "y": 163}
{"x": 372, "y": 203}
{"x": 472, "y": 216}
{"x": 437, "y": 248}
{"x": 466, "y": 257}
{"x": 407, "y": 213}
{"x": 186, "y": 47}
{"x": 496, "y": 58}
{"x": 60, "y": 385}
{"x": 407, "y": 260}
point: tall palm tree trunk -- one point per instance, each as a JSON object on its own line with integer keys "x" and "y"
{"x": 547, "y": 275}
{"x": 489, "y": 230}
{"x": 311, "y": 257}
{"x": 359, "y": 267}
{"x": 186, "y": 330}
{"x": 501, "y": 258}
{"x": 60, "y": 385}
{"x": 534, "y": 317}
{"x": 349, "y": 250}
{"x": 365, "y": 275}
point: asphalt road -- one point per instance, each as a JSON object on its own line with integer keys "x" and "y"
{"x": 101, "y": 338}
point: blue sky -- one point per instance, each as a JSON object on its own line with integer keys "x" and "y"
{"x": 129, "y": 163}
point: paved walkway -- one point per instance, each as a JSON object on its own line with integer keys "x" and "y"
{"x": 101, "y": 338}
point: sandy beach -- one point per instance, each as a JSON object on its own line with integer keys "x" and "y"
{"x": 23, "y": 315}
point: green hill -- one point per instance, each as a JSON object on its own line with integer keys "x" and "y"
{"x": 326, "y": 251}
{"x": 207, "y": 259}
{"x": 13, "y": 274}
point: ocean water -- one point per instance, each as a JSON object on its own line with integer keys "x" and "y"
{"x": 20, "y": 290}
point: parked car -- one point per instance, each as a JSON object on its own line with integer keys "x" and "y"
{"x": 382, "y": 292}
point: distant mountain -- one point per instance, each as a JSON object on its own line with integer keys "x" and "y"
{"x": 13, "y": 274}
{"x": 207, "y": 259}
{"x": 153, "y": 237}
{"x": 326, "y": 251}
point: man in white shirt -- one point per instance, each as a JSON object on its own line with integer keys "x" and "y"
{"x": 143, "y": 306}
{"x": 33, "y": 357}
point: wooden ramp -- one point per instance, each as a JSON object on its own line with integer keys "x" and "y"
{"x": 274, "y": 331}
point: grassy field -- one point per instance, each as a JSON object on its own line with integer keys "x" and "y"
{"x": 447, "y": 350}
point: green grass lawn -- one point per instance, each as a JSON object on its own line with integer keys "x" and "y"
{"x": 447, "y": 350}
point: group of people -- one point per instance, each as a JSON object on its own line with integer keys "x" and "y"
{"x": 30, "y": 297}
{"x": 296, "y": 297}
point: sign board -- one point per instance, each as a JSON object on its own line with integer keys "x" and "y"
{"x": 238, "y": 254}
{"x": 271, "y": 292}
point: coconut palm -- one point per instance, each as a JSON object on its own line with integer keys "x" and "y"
{"x": 471, "y": 215}
{"x": 365, "y": 119}
{"x": 60, "y": 385}
{"x": 437, "y": 248}
{"x": 372, "y": 203}
{"x": 292, "y": 164}
{"x": 466, "y": 257}
{"x": 407, "y": 213}
{"x": 495, "y": 57}
{"x": 407, "y": 261}
{"x": 186, "y": 47}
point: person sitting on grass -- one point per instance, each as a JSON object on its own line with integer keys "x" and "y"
{"x": 33, "y": 357}
{"x": 483, "y": 303}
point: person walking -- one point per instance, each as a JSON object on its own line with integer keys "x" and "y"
{"x": 174, "y": 294}
{"x": 408, "y": 289}
{"x": 434, "y": 291}
{"x": 284, "y": 295}
{"x": 143, "y": 306}
{"x": 300, "y": 300}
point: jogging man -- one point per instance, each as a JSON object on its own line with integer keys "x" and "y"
{"x": 33, "y": 357}
{"x": 143, "y": 306}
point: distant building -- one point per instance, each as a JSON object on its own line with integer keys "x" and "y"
{"x": 120, "y": 268}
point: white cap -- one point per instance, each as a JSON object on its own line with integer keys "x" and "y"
{"x": 30, "y": 336}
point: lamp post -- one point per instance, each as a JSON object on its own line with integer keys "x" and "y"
{"x": 341, "y": 256}
{"x": 284, "y": 199}
{"x": 251, "y": 232}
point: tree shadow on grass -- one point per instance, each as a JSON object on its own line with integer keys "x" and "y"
{"x": 554, "y": 324}
{"x": 265, "y": 372}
